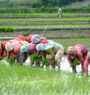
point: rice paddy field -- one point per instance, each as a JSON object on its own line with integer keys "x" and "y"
{"x": 26, "y": 80}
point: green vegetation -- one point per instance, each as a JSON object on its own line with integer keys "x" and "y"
{"x": 49, "y": 26}
{"x": 16, "y": 79}
{"x": 34, "y": 58}
{"x": 44, "y": 14}
{"x": 43, "y": 9}
{"x": 36, "y": 3}
{"x": 43, "y": 19}
{"x": 66, "y": 42}
{"x": 6, "y": 29}
{"x": 44, "y": 62}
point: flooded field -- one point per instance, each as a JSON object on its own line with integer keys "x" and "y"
{"x": 64, "y": 65}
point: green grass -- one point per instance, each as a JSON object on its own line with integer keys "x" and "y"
{"x": 22, "y": 80}
{"x": 43, "y": 19}
{"x": 49, "y": 26}
{"x": 44, "y": 14}
{"x": 66, "y": 42}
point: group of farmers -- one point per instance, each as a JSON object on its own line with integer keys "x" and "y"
{"x": 21, "y": 47}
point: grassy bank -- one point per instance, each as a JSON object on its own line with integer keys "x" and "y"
{"x": 49, "y": 26}
{"x": 21, "y": 80}
{"x": 43, "y": 14}
{"x": 43, "y": 19}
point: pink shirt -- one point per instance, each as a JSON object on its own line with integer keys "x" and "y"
{"x": 16, "y": 51}
{"x": 4, "y": 49}
{"x": 86, "y": 63}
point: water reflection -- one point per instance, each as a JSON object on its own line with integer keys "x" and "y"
{"x": 64, "y": 65}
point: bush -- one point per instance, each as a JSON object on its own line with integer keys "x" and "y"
{"x": 76, "y": 10}
{"x": 42, "y": 9}
{"x": 6, "y": 30}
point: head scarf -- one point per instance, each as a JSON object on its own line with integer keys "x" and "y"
{"x": 8, "y": 46}
{"x": 35, "y": 39}
{"x": 40, "y": 47}
{"x": 71, "y": 50}
{"x": 43, "y": 47}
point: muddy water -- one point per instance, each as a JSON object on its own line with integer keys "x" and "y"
{"x": 64, "y": 65}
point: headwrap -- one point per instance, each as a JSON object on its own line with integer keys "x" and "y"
{"x": 0, "y": 47}
{"x": 40, "y": 47}
{"x": 25, "y": 48}
{"x": 8, "y": 46}
{"x": 89, "y": 55}
{"x": 71, "y": 50}
{"x": 35, "y": 39}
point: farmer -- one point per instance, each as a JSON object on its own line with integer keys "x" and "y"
{"x": 87, "y": 62}
{"x": 3, "y": 51}
{"x": 27, "y": 50}
{"x": 55, "y": 52}
{"x": 59, "y": 12}
{"x": 13, "y": 51}
{"x": 33, "y": 51}
{"x": 76, "y": 55}
{"x": 24, "y": 52}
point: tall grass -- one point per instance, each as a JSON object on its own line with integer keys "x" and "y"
{"x": 23, "y": 80}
